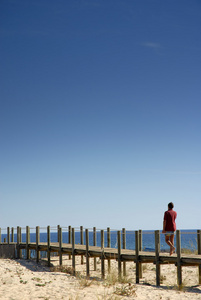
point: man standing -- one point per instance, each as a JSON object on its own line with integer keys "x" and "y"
{"x": 169, "y": 226}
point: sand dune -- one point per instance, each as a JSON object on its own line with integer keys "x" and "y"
{"x": 23, "y": 279}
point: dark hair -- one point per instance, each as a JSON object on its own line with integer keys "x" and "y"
{"x": 170, "y": 205}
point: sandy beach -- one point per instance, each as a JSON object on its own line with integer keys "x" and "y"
{"x": 24, "y": 279}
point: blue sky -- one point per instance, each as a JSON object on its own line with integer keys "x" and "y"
{"x": 100, "y": 113}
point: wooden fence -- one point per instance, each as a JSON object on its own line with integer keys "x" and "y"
{"x": 121, "y": 254}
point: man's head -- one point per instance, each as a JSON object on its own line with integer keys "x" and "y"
{"x": 170, "y": 205}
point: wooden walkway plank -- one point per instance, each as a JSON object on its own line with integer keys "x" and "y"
{"x": 112, "y": 253}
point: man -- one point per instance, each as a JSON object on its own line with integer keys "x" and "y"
{"x": 169, "y": 226}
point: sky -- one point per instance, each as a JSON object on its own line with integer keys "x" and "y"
{"x": 100, "y": 105}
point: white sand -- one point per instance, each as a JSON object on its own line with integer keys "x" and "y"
{"x": 22, "y": 279}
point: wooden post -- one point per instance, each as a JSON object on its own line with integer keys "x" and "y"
{"x": 124, "y": 247}
{"x": 8, "y": 235}
{"x": 27, "y": 241}
{"x": 140, "y": 249}
{"x": 179, "y": 268}
{"x": 137, "y": 256}
{"x": 102, "y": 255}
{"x": 69, "y": 234}
{"x": 19, "y": 239}
{"x": 37, "y": 243}
{"x": 157, "y": 253}
{"x": 18, "y": 242}
{"x": 69, "y": 237}
{"x": 87, "y": 252}
{"x": 82, "y": 242}
{"x": 12, "y": 234}
{"x": 0, "y": 235}
{"x": 73, "y": 250}
{"x": 58, "y": 226}
{"x": 48, "y": 245}
{"x": 109, "y": 246}
{"x": 119, "y": 253}
{"x": 94, "y": 243}
{"x": 199, "y": 252}
{"x": 60, "y": 246}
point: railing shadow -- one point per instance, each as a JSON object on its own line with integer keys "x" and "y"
{"x": 196, "y": 289}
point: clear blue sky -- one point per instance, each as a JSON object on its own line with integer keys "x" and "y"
{"x": 100, "y": 115}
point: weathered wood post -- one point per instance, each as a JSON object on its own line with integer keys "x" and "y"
{"x": 48, "y": 245}
{"x": 199, "y": 252}
{"x": 73, "y": 250}
{"x": 18, "y": 242}
{"x": 0, "y": 235}
{"x": 82, "y": 242}
{"x": 69, "y": 237}
{"x": 8, "y": 235}
{"x": 19, "y": 239}
{"x": 124, "y": 247}
{"x": 94, "y": 243}
{"x": 140, "y": 249}
{"x": 58, "y": 226}
{"x": 102, "y": 255}
{"x": 119, "y": 253}
{"x": 179, "y": 268}
{"x": 37, "y": 243}
{"x": 109, "y": 246}
{"x": 69, "y": 234}
{"x": 60, "y": 246}
{"x": 12, "y": 234}
{"x": 157, "y": 253}
{"x": 87, "y": 251}
{"x": 137, "y": 256}
{"x": 27, "y": 241}
{"x": 20, "y": 234}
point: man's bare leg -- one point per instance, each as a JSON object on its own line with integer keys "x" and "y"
{"x": 172, "y": 248}
{"x": 170, "y": 242}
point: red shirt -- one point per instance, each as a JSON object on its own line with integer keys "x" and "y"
{"x": 170, "y": 216}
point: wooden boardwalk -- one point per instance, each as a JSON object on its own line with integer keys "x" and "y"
{"x": 120, "y": 254}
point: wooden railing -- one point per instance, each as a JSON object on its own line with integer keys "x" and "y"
{"x": 121, "y": 254}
